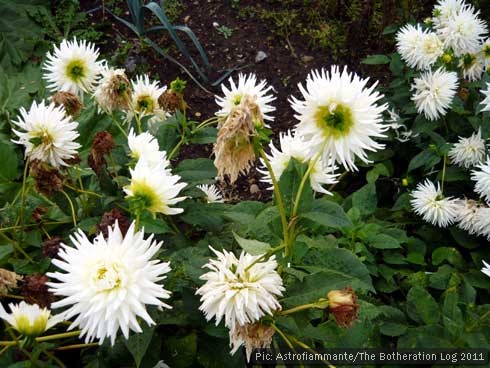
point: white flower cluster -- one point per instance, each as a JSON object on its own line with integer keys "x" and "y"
{"x": 453, "y": 39}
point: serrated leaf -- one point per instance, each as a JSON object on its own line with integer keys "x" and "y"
{"x": 420, "y": 302}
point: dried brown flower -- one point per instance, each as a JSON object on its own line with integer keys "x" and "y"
{"x": 103, "y": 144}
{"x": 234, "y": 151}
{"x": 343, "y": 305}
{"x": 114, "y": 91}
{"x": 8, "y": 280}
{"x": 75, "y": 160}
{"x": 35, "y": 291}
{"x": 253, "y": 336}
{"x": 52, "y": 246}
{"x": 171, "y": 101}
{"x": 38, "y": 213}
{"x": 110, "y": 218}
{"x": 48, "y": 179}
{"x": 69, "y": 101}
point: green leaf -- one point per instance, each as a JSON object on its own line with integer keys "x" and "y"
{"x": 427, "y": 158}
{"x": 376, "y": 59}
{"x": 254, "y": 247}
{"x": 392, "y": 329}
{"x": 205, "y": 136}
{"x": 167, "y": 134}
{"x": 328, "y": 213}
{"x": 420, "y": 302}
{"x": 382, "y": 241}
{"x": 180, "y": 350}
{"x": 154, "y": 225}
{"x": 9, "y": 169}
{"x": 199, "y": 170}
{"x": 5, "y": 250}
{"x": 289, "y": 183}
{"x": 365, "y": 199}
{"x": 451, "y": 255}
{"x": 138, "y": 343}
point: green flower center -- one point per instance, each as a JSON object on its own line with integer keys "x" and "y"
{"x": 334, "y": 119}
{"x": 237, "y": 100}
{"x": 26, "y": 328}
{"x": 41, "y": 137}
{"x": 76, "y": 70}
{"x": 486, "y": 51}
{"x": 143, "y": 198}
{"x": 469, "y": 60}
{"x": 145, "y": 103}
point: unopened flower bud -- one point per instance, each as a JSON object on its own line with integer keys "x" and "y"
{"x": 29, "y": 320}
{"x": 343, "y": 305}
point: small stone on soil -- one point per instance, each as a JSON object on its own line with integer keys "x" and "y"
{"x": 261, "y": 56}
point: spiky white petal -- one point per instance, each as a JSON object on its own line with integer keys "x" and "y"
{"x": 339, "y": 116}
{"x": 154, "y": 186}
{"x": 434, "y": 92}
{"x": 445, "y": 9}
{"x": 47, "y": 133}
{"x": 239, "y": 290}
{"x": 482, "y": 179}
{"x": 419, "y": 48}
{"x": 247, "y": 86}
{"x": 485, "y": 53}
{"x": 481, "y": 223}
{"x": 472, "y": 66}
{"x": 212, "y": 193}
{"x": 145, "y": 146}
{"x": 73, "y": 67}
{"x": 107, "y": 283}
{"x": 486, "y": 268}
{"x": 29, "y": 319}
{"x": 463, "y": 31}
{"x": 323, "y": 173}
{"x": 486, "y": 100}
{"x": 468, "y": 151}
{"x": 144, "y": 99}
{"x": 428, "y": 202}
{"x": 466, "y": 217}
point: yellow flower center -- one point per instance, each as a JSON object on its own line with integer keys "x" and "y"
{"x": 334, "y": 119}
{"x": 107, "y": 277}
{"x": 41, "y": 137}
{"x": 75, "y": 70}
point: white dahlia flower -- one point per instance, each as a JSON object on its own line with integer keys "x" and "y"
{"x": 481, "y": 225}
{"x": 239, "y": 290}
{"x": 73, "y": 67}
{"x": 154, "y": 188}
{"x": 145, "y": 146}
{"x": 48, "y": 134}
{"x": 113, "y": 91}
{"x": 472, "y": 66}
{"x": 482, "y": 179}
{"x": 429, "y": 202}
{"x": 485, "y": 53}
{"x": 486, "y": 268}
{"x": 29, "y": 319}
{"x": 339, "y": 116}
{"x": 212, "y": 193}
{"x": 247, "y": 86}
{"x": 295, "y": 147}
{"x": 444, "y": 9}
{"x": 107, "y": 283}
{"x": 434, "y": 92}
{"x": 419, "y": 48}
{"x": 468, "y": 151}
{"x": 486, "y": 100}
{"x": 144, "y": 99}
{"x": 466, "y": 215}
{"x": 463, "y": 31}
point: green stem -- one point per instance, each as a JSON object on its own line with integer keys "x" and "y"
{"x": 306, "y": 347}
{"x": 280, "y": 203}
{"x": 23, "y": 195}
{"x": 205, "y": 123}
{"x": 118, "y": 125}
{"x": 32, "y": 225}
{"x": 73, "y": 214}
{"x": 321, "y": 304}
{"x": 265, "y": 256}
{"x": 58, "y": 336}
{"x": 52, "y": 357}
{"x": 138, "y": 122}
{"x": 286, "y": 340}
{"x": 78, "y": 346}
{"x": 83, "y": 191}
{"x": 4, "y": 349}
{"x": 176, "y": 148}
{"x": 303, "y": 182}
{"x": 443, "y": 173}
{"x": 113, "y": 163}
{"x": 18, "y": 247}
{"x": 137, "y": 221}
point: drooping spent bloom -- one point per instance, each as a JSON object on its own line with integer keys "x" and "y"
{"x": 252, "y": 336}
{"x": 486, "y": 268}
{"x": 419, "y": 48}
{"x": 257, "y": 93}
{"x": 239, "y": 290}
{"x": 482, "y": 179}
{"x": 234, "y": 149}
{"x": 339, "y": 116}
{"x": 113, "y": 91}
{"x": 463, "y": 31}
{"x": 8, "y": 280}
{"x": 48, "y": 134}
{"x": 473, "y": 66}
{"x": 29, "y": 319}
{"x": 434, "y": 92}
{"x": 108, "y": 283}
{"x": 486, "y": 100}
{"x": 343, "y": 305}
{"x": 154, "y": 188}
{"x": 146, "y": 146}
{"x": 73, "y": 67}
{"x": 466, "y": 215}
{"x": 144, "y": 99}
{"x": 429, "y": 202}
{"x": 69, "y": 101}
{"x": 295, "y": 147}
{"x": 212, "y": 194}
{"x": 468, "y": 151}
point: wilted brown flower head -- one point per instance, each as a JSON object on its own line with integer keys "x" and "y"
{"x": 109, "y": 219}
{"x": 38, "y": 213}
{"x": 253, "y": 336}
{"x": 234, "y": 150}
{"x": 69, "y": 101}
{"x": 48, "y": 179}
{"x": 103, "y": 144}
{"x": 52, "y": 246}
{"x": 75, "y": 160}
{"x": 35, "y": 291}
{"x": 8, "y": 280}
{"x": 171, "y": 101}
{"x": 343, "y": 305}
{"x": 114, "y": 90}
